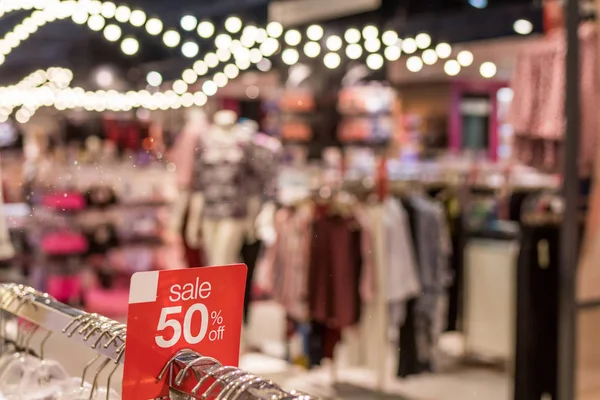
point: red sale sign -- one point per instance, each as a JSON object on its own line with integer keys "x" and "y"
{"x": 197, "y": 308}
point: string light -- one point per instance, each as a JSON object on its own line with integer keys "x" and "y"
{"x": 372, "y": 45}
{"x": 352, "y": 35}
{"x": 96, "y": 23}
{"x": 223, "y": 41}
{"x": 189, "y": 76}
{"x": 465, "y": 58}
{"x": 200, "y": 68}
{"x": 488, "y": 70}
{"x": 523, "y": 27}
{"x": 209, "y": 88}
{"x": 221, "y": 79}
{"x": 334, "y": 43}
{"x": 190, "y": 49}
{"x": 354, "y": 51}
{"x": 312, "y": 49}
{"x": 370, "y": 32}
{"x": 375, "y": 61}
{"x": 429, "y": 57}
{"x": 452, "y": 67}
{"x": 414, "y": 64}
{"x": 211, "y": 60}
{"x": 122, "y": 14}
{"x": 315, "y": 32}
{"x": 180, "y": 87}
{"x": 154, "y": 26}
{"x": 409, "y": 45}
{"x": 423, "y": 40}
{"x": 233, "y": 24}
{"x": 290, "y": 56}
{"x": 205, "y": 29}
{"x": 138, "y": 18}
{"x": 231, "y": 71}
{"x": 108, "y": 9}
{"x": 443, "y": 50}
{"x": 112, "y": 33}
{"x": 389, "y": 38}
{"x": 130, "y": 46}
{"x": 332, "y": 60}
{"x": 293, "y": 37}
{"x": 171, "y": 38}
{"x": 392, "y": 53}
{"x": 188, "y": 23}
{"x": 274, "y": 29}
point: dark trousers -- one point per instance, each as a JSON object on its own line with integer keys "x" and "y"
{"x": 249, "y": 253}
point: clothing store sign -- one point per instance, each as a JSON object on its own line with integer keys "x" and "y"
{"x": 198, "y": 309}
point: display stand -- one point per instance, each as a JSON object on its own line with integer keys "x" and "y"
{"x": 107, "y": 338}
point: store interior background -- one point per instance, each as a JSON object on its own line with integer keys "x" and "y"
{"x": 354, "y": 167}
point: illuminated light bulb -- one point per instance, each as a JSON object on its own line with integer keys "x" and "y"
{"x": 211, "y": 60}
{"x": 370, "y": 32}
{"x": 274, "y": 29}
{"x": 235, "y": 44}
{"x": 112, "y": 33}
{"x": 243, "y": 63}
{"x": 409, "y": 45}
{"x": 264, "y": 65}
{"x": 312, "y": 49}
{"x": 269, "y": 47}
{"x": 390, "y": 38}
{"x": 122, "y": 14}
{"x": 423, "y": 40}
{"x": 209, "y": 88}
{"x": 414, "y": 64}
{"x": 332, "y": 60}
{"x": 130, "y": 46}
{"x": 392, "y": 53}
{"x": 200, "y": 99}
{"x": 96, "y": 23}
{"x": 154, "y": 26}
{"x": 334, "y": 43}
{"x": 231, "y": 71}
{"x": 247, "y": 41}
{"x": 187, "y": 100}
{"x": 171, "y": 38}
{"x": 205, "y": 29}
{"x": 223, "y": 55}
{"x": 250, "y": 31}
{"x": 190, "y": 49}
{"x": 452, "y": 67}
{"x": 154, "y": 78}
{"x": 523, "y": 27}
{"x": 180, "y": 86}
{"x": 261, "y": 35}
{"x": 293, "y": 37}
{"x": 255, "y": 56}
{"x": 354, "y": 51}
{"x": 315, "y": 32}
{"x": 352, "y": 35}
{"x": 443, "y": 50}
{"x": 372, "y": 45}
{"x": 80, "y": 17}
{"x": 108, "y": 9}
{"x": 233, "y": 24}
{"x": 290, "y": 56}
{"x": 138, "y": 18}
{"x": 200, "y": 67}
{"x": 241, "y": 53}
{"x": 189, "y": 76}
{"x": 188, "y": 23}
{"x": 221, "y": 79}
{"x": 223, "y": 41}
{"x": 429, "y": 57}
{"x": 488, "y": 69}
{"x": 465, "y": 58}
{"x": 375, "y": 61}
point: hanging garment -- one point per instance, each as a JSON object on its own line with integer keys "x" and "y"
{"x": 249, "y": 253}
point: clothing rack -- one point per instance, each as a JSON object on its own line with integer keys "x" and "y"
{"x": 108, "y": 338}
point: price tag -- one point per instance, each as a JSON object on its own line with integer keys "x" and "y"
{"x": 195, "y": 308}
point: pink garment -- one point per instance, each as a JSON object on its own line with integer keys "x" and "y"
{"x": 65, "y": 201}
{"x": 113, "y": 303}
{"x": 64, "y": 243}
{"x": 64, "y": 288}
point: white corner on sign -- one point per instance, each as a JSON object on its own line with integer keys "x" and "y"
{"x": 144, "y": 287}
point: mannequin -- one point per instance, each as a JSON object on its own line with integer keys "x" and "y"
{"x": 229, "y": 167}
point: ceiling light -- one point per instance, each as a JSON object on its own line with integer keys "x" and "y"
{"x": 250, "y": 31}
{"x": 180, "y": 87}
{"x": 274, "y": 29}
{"x": 429, "y": 57}
{"x": 488, "y": 69}
{"x": 190, "y": 49}
{"x": 423, "y": 40}
{"x": 223, "y": 55}
{"x": 334, "y": 43}
{"x": 523, "y": 27}
{"x": 188, "y": 23}
{"x": 393, "y": 53}
{"x": 223, "y": 41}
{"x": 264, "y": 65}
{"x": 154, "y": 26}
{"x": 452, "y": 67}
{"x": 243, "y": 63}
{"x": 372, "y": 45}
{"x": 269, "y": 47}
{"x": 112, "y": 33}
{"x": 465, "y": 58}
{"x": 108, "y": 9}
{"x": 154, "y": 79}
{"x": 352, "y": 35}
{"x": 209, "y": 88}
{"x": 414, "y": 64}
{"x": 138, "y": 18}
{"x": 221, "y": 79}
{"x": 389, "y": 38}
{"x": 96, "y": 23}
{"x": 211, "y": 60}
{"x": 293, "y": 37}
{"x": 130, "y": 46}
{"x": 206, "y": 29}
{"x": 314, "y": 32}
{"x": 233, "y": 24}
{"x": 370, "y": 32}
{"x": 189, "y": 76}
{"x": 171, "y": 38}
{"x": 290, "y": 56}
{"x": 312, "y": 49}
{"x": 261, "y": 35}
{"x": 255, "y": 56}
{"x": 122, "y": 14}
{"x": 332, "y": 60}
{"x": 354, "y": 51}
{"x": 231, "y": 71}
{"x": 375, "y": 61}
{"x": 80, "y": 17}
{"x": 200, "y": 67}
{"x": 409, "y": 45}
{"x": 479, "y": 3}
{"x": 443, "y": 50}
